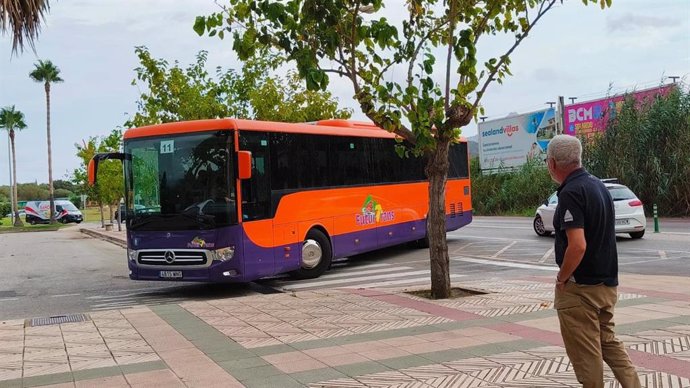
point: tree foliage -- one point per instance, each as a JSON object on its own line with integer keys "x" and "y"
{"x": 12, "y": 120}
{"x": 646, "y": 148}
{"x": 173, "y": 93}
{"x": 23, "y": 19}
{"x": 354, "y": 40}
{"x": 47, "y": 73}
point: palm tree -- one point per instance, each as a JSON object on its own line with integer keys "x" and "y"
{"x": 23, "y": 19}
{"x": 47, "y": 73}
{"x": 11, "y": 120}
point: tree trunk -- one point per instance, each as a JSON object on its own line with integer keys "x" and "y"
{"x": 437, "y": 172}
{"x": 15, "y": 203}
{"x": 50, "y": 158}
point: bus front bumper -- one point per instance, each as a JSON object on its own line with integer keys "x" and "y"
{"x": 209, "y": 274}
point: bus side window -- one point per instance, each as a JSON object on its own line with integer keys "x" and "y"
{"x": 256, "y": 191}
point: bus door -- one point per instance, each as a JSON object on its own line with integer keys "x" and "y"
{"x": 256, "y": 208}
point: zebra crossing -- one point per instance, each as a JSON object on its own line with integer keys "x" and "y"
{"x": 128, "y": 298}
{"x": 346, "y": 274}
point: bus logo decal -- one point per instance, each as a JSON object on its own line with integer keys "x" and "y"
{"x": 199, "y": 242}
{"x": 372, "y": 212}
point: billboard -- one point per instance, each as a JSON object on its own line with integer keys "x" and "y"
{"x": 589, "y": 117}
{"x": 509, "y": 142}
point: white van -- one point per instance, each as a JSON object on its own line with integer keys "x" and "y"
{"x": 38, "y": 212}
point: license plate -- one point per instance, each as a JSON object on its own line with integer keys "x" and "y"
{"x": 623, "y": 222}
{"x": 171, "y": 274}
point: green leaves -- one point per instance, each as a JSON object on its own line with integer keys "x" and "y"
{"x": 176, "y": 93}
{"x": 316, "y": 80}
{"x": 384, "y": 34}
{"x": 200, "y": 25}
{"x": 398, "y": 78}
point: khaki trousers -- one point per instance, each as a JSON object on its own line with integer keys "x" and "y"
{"x": 586, "y": 316}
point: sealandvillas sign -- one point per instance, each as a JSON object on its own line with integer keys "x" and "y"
{"x": 509, "y": 142}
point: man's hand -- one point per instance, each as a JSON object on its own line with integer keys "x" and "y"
{"x": 560, "y": 285}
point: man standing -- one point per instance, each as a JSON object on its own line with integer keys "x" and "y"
{"x": 585, "y": 250}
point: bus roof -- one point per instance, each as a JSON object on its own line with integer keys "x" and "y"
{"x": 324, "y": 127}
{"x": 332, "y": 127}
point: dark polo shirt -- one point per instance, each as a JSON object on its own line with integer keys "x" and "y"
{"x": 584, "y": 202}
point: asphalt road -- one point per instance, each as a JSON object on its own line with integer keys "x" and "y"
{"x": 53, "y": 273}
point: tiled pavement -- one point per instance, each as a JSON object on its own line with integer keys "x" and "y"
{"x": 348, "y": 338}
{"x": 508, "y": 337}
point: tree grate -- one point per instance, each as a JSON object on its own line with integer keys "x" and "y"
{"x": 57, "y": 319}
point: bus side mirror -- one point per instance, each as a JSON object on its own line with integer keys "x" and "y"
{"x": 93, "y": 166}
{"x": 244, "y": 161}
{"x": 93, "y": 163}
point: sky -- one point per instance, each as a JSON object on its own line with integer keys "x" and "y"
{"x": 574, "y": 51}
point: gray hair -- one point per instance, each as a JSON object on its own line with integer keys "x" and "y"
{"x": 566, "y": 150}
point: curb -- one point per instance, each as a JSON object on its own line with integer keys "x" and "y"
{"x": 110, "y": 239}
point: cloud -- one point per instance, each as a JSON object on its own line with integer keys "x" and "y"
{"x": 632, "y": 22}
{"x": 134, "y": 15}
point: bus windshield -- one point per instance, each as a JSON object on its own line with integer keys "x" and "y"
{"x": 180, "y": 182}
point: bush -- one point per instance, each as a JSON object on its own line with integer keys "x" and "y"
{"x": 517, "y": 192}
{"x": 5, "y": 208}
{"x": 76, "y": 200}
{"x": 62, "y": 193}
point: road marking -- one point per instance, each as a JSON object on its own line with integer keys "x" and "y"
{"x": 468, "y": 234}
{"x": 123, "y": 296}
{"x": 662, "y": 254}
{"x": 546, "y": 255}
{"x": 350, "y": 263}
{"x": 147, "y": 289}
{"x": 342, "y": 274}
{"x": 7, "y": 299}
{"x": 398, "y": 282}
{"x": 349, "y": 280}
{"x": 63, "y": 295}
{"x": 506, "y": 264}
{"x": 461, "y": 248}
{"x": 503, "y": 250}
{"x": 502, "y": 227}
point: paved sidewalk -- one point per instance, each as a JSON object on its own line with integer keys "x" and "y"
{"x": 507, "y": 337}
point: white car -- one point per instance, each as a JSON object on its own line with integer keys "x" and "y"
{"x": 628, "y": 208}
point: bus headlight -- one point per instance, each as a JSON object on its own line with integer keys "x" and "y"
{"x": 131, "y": 254}
{"x": 224, "y": 254}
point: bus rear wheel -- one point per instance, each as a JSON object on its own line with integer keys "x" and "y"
{"x": 316, "y": 256}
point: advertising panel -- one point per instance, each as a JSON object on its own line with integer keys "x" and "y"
{"x": 511, "y": 141}
{"x": 589, "y": 117}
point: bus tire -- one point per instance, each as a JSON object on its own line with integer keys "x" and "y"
{"x": 422, "y": 243}
{"x": 316, "y": 256}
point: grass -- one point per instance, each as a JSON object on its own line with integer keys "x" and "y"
{"x": 6, "y": 227}
{"x": 91, "y": 214}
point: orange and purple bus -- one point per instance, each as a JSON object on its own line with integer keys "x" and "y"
{"x": 230, "y": 200}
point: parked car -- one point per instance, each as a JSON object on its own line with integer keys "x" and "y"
{"x": 628, "y": 208}
{"x": 22, "y": 213}
{"x": 123, "y": 210}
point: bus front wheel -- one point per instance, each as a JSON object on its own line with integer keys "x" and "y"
{"x": 316, "y": 256}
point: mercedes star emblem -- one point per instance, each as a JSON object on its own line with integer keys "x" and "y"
{"x": 169, "y": 257}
